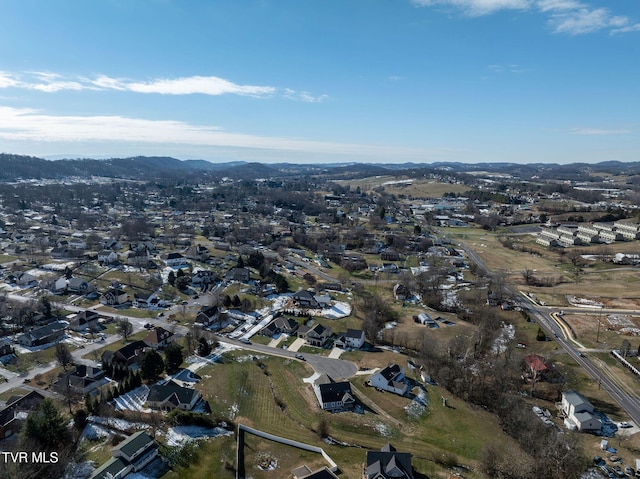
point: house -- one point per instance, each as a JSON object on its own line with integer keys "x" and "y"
{"x": 82, "y": 379}
{"x": 198, "y": 253}
{"x": 579, "y": 412}
{"x": 175, "y": 260}
{"x": 352, "y": 338}
{"x": 131, "y": 455}
{"x": 7, "y": 354}
{"x": 128, "y": 354}
{"x": 304, "y": 472}
{"x": 171, "y": 395}
{"x": 114, "y": 297}
{"x": 387, "y": 463}
{"x": 305, "y": 299}
{"x": 107, "y": 256}
{"x": 62, "y": 252}
{"x": 25, "y": 279}
{"x": 238, "y": 274}
{"x": 280, "y": 325}
{"x": 50, "y": 333}
{"x": 16, "y": 410}
{"x": 334, "y": 396}
{"x": 110, "y": 244}
{"x": 158, "y": 338}
{"x": 139, "y": 258}
{"x": 84, "y": 320}
{"x": 145, "y": 300}
{"x": 401, "y": 292}
{"x": 541, "y": 369}
{"x": 390, "y": 256}
{"x": 390, "y": 379}
{"x": 203, "y": 277}
{"x": 316, "y": 335}
{"x": 323, "y": 300}
{"x": 79, "y": 286}
{"x": 207, "y": 316}
{"x": 139, "y": 449}
{"x": 112, "y": 469}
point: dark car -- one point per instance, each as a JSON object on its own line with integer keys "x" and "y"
{"x": 598, "y": 461}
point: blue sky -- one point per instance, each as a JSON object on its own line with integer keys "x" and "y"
{"x": 322, "y": 80}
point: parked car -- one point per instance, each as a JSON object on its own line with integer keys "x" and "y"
{"x": 625, "y": 424}
{"x": 245, "y": 341}
{"x": 598, "y": 461}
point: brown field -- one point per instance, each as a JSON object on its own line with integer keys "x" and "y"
{"x": 615, "y": 286}
{"x": 417, "y": 188}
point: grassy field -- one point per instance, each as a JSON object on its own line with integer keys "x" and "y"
{"x": 614, "y": 285}
{"x": 415, "y": 188}
{"x": 269, "y": 394}
{"x": 7, "y": 258}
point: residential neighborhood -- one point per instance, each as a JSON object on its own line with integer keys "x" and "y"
{"x": 156, "y": 319}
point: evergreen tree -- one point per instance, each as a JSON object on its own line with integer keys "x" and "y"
{"x": 204, "y": 349}
{"x": 46, "y": 429}
{"x": 173, "y": 358}
{"x": 151, "y": 366}
{"x": 171, "y": 278}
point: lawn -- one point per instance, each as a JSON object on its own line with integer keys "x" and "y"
{"x": 269, "y": 394}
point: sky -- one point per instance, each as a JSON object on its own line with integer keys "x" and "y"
{"x": 322, "y": 81}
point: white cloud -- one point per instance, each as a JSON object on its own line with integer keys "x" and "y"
{"x": 197, "y": 84}
{"x": 204, "y": 85}
{"x": 583, "y": 20}
{"x": 28, "y": 126}
{"x": 477, "y": 7}
{"x": 597, "y": 131}
{"x": 571, "y": 17}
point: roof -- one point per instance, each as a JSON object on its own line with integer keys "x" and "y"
{"x": 537, "y": 363}
{"x": 157, "y": 335}
{"x": 575, "y": 398}
{"x": 390, "y": 372}
{"x": 134, "y": 443}
{"x": 336, "y": 392}
{"x": 389, "y": 464}
{"x": 323, "y": 473}
{"x": 354, "y": 333}
{"x": 47, "y": 330}
{"x": 127, "y": 351}
{"x": 111, "y": 468}
{"x": 164, "y": 392}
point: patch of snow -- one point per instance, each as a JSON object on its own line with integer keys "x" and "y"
{"x": 382, "y": 429}
{"x": 180, "y": 434}
{"x": 133, "y": 400}
{"x": 117, "y": 424}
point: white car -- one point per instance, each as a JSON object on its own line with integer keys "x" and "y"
{"x": 625, "y": 425}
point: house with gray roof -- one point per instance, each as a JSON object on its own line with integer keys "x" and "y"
{"x": 171, "y": 395}
{"x": 131, "y": 455}
{"x": 387, "y": 463}
{"x": 390, "y": 379}
{"x": 50, "y": 333}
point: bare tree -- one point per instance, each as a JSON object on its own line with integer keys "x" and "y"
{"x": 125, "y": 328}
{"x": 63, "y": 355}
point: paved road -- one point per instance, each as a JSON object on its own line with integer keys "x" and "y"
{"x": 628, "y": 401}
{"x": 336, "y": 368}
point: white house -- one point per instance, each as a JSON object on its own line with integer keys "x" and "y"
{"x": 352, "y": 338}
{"x": 175, "y": 259}
{"x": 390, "y": 379}
{"x": 578, "y": 412}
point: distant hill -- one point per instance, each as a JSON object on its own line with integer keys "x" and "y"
{"x": 17, "y": 167}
